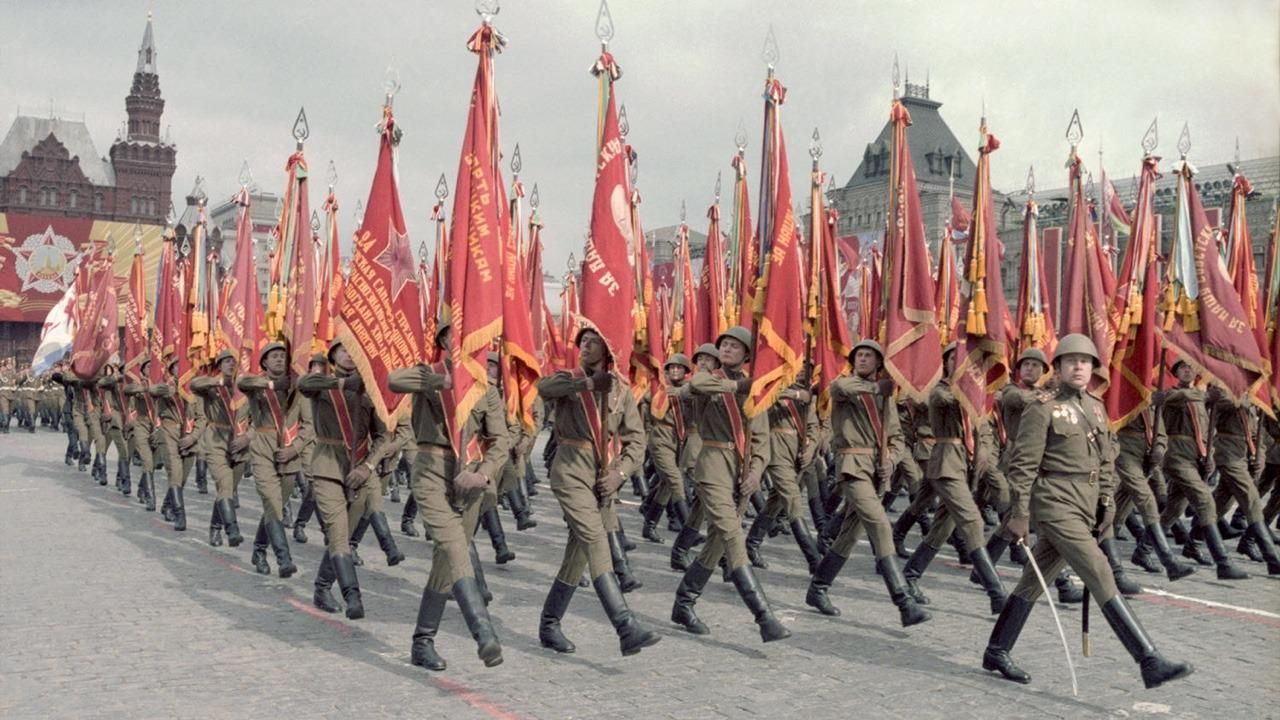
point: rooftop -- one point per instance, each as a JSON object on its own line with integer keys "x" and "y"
{"x": 26, "y": 131}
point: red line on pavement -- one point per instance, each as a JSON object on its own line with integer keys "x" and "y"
{"x": 1211, "y": 609}
{"x": 320, "y": 615}
{"x": 474, "y": 699}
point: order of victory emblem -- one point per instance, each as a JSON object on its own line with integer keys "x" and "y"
{"x": 46, "y": 262}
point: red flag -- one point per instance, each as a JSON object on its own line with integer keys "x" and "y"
{"x": 97, "y": 337}
{"x": 474, "y": 287}
{"x": 1035, "y": 321}
{"x": 520, "y": 367}
{"x": 743, "y": 247}
{"x": 538, "y": 295}
{"x": 779, "y": 338}
{"x": 649, "y": 352}
{"x": 241, "y": 321}
{"x": 1272, "y": 305}
{"x": 570, "y": 319}
{"x": 329, "y": 281}
{"x": 135, "y": 317}
{"x": 1136, "y": 358}
{"x": 833, "y": 344}
{"x": 1205, "y": 324}
{"x": 608, "y": 279}
{"x": 712, "y": 311}
{"x": 168, "y": 326}
{"x": 291, "y": 306}
{"x": 381, "y": 324}
{"x": 1244, "y": 278}
{"x": 201, "y": 301}
{"x": 870, "y": 296}
{"x": 431, "y": 284}
{"x": 981, "y": 360}
{"x": 1087, "y": 282}
{"x": 908, "y": 329}
{"x": 684, "y": 333}
{"x": 946, "y": 294}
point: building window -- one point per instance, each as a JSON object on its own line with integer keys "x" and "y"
{"x": 53, "y": 197}
{"x": 97, "y": 202}
{"x": 71, "y": 199}
{"x": 133, "y": 206}
{"x": 22, "y": 196}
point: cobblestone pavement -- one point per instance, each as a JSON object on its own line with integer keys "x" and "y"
{"x": 106, "y": 612}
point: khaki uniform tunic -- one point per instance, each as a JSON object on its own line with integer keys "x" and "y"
{"x": 858, "y": 450}
{"x": 273, "y": 480}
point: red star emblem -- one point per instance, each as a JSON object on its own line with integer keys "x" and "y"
{"x": 397, "y": 258}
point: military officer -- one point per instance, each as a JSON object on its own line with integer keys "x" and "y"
{"x": 600, "y": 443}
{"x": 1061, "y": 481}
{"x": 735, "y": 452}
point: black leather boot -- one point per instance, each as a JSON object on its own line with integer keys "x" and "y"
{"x": 1003, "y": 636}
{"x": 179, "y": 511}
{"x": 622, "y": 535}
{"x": 228, "y": 513}
{"x": 279, "y": 542}
{"x": 633, "y": 635}
{"x": 1227, "y": 530}
{"x": 166, "y": 507}
{"x": 990, "y": 580}
{"x": 1144, "y": 556}
{"x": 325, "y": 575}
{"x": 305, "y": 511}
{"x": 1266, "y": 546}
{"x": 621, "y": 567}
{"x": 123, "y": 480}
{"x": 678, "y": 513}
{"x": 1174, "y": 569}
{"x": 901, "y": 527}
{"x": 1248, "y": 547}
{"x": 816, "y": 596}
{"x": 100, "y": 467}
{"x": 680, "y": 548}
{"x": 639, "y": 484}
{"x": 916, "y": 566}
{"x": 478, "y": 570}
{"x": 202, "y": 476}
{"x": 259, "y": 557}
{"x": 345, "y": 571}
{"x": 382, "y": 531}
{"x": 215, "y": 526}
{"x": 755, "y": 536}
{"x": 83, "y": 461}
{"x": 357, "y": 534}
{"x": 652, "y": 514}
{"x": 909, "y": 612}
{"x": 817, "y": 513}
{"x": 804, "y": 541}
{"x": 1068, "y": 593}
{"x": 996, "y": 545}
{"x": 1123, "y": 583}
{"x": 520, "y": 508}
{"x": 553, "y": 609}
{"x": 752, "y": 595}
{"x": 1226, "y": 571}
{"x": 493, "y": 525}
{"x": 407, "y": 518}
{"x": 1156, "y": 670}
{"x": 466, "y": 591}
{"x": 1193, "y": 546}
{"x": 687, "y": 594}
{"x": 423, "y": 653}
{"x": 148, "y": 481}
{"x": 530, "y": 480}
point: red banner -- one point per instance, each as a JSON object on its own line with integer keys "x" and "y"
{"x": 982, "y": 362}
{"x": 1087, "y": 284}
{"x": 650, "y": 351}
{"x": 1244, "y": 278}
{"x": 746, "y": 251}
{"x": 330, "y": 280}
{"x": 909, "y": 333}
{"x": 946, "y": 294}
{"x": 712, "y": 310}
{"x": 240, "y": 325}
{"x": 474, "y": 289}
{"x": 97, "y": 338}
{"x": 520, "y": 367}
{"x": 1136, "y": 358}
{"x": 833, "y": 344}
{"x": 135, "y": 318}
{"x": 381, "y": 319}
{"x": 169, "y": 325}
{"x": 608, "y": 279}
{"x": 1035, "y": 318}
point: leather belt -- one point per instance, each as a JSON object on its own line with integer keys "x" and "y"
{"x": 856, "y": 451}
{"x": 719, "y": 444}
{"x": 949, "y": 440}
{"x": 576, "y": 443}
{"x": 434, "y": 449}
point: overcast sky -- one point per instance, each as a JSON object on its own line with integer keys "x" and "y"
{"x": 233, "y": 75}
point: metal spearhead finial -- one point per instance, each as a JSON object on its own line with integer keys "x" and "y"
{"x": 442, "y": 188}
{"x": 633, "y": 168}
{"x": 199, "y": 193}
{"x": 1236, "y": 157}
{"x": 740, "y": 137}
{"x": 895, "y": 75}
{"x": 488, "y": 9}
{"x": 331, "y": 174}
{"x": 769, "y": 54}
{"x": 684, "y": 212}
{"x": 422, "y": 251}
{"x": 718, "y": 173}
{"x": 572, "y": 262}
{"x": 516, "y": 162}
{"x": 624, "y": 125}
{"x": 391, "y": 82}
{"x": 315, "y": 222}
{"x": 171, "y": 217}
{"x": 534, "y": 200}
{"x": 1031, "y": 181}
{"x": 604, "y": 23}
{"x": 359, "y": 212}
{"x": 831, "y": 184}
{"x": 1184, "y": 140}
{"x": 815, "y": 145}
{"x": 1152, "y": 137}
{"x": 301, "y": 130}
{"x": 1075, "y": 131}
{"x": 137, "y": 237}
{"x": 1088, "y": 186}
{"x": 246, "y": 175}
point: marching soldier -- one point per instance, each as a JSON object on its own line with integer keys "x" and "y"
{"x": 226, "y": 440}
{"x": 273, "y": 451}
{"x": 667, "y": 437}
{"x": 449, "y": 496}
{"x": 178, "y": 441}
{"x": 306, "y": 446}
{"x": 348, "y": 443}
{"x": 142, "y": 420}
{"x": 8, "y": 392}
{"x": 735, "y": 452}
{"x": 1239, "y": 460}
{"x": 867, "y": 439}
{"x": 956, "y": 447}
{"x": 113, "y": 422}
{"x": 1187, "y": 423}
{"x": 595, "y": 413}
{"x": 1061, "y": 481}
{"x": 514, "y": 469}
{"x": 489, "y": 516}
{"x": 690, "y": 515}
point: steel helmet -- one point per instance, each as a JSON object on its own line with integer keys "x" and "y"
{"x": 1076, "y": 344}
{"x": 739, "y": 333}
{"x": 1033, "y": 354}
{"x": 681, "y": 360}
{"x": 262, "y": 356}
{"x": 871, "y": 345}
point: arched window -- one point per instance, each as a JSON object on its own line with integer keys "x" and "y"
{"x": 97, "y": 202}
{"x": 22, "y": 196}
{"x": 133, "y": 206}
{"x": 72, "y": 198}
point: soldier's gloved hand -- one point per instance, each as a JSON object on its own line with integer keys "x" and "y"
{"x": 601, "y": 381}
{"x": 448, "y": 381}
{"x": 357, "y": 477}
{"x": 744, "y": 386}
{"x": 285, "y": 454}
{"x": 608, "y": 484}
{"x": 1155, "y": 459}
{"x": 1255, "y": 467}
{"x": 353, "y": 383}
{"x": 884, "y": 471}
{"x": 469, "y": 481}
{"x": 750, "y": 484}
{"x": 238, "y": 444}
{"x": 186, "y": 442}
{"x": 1018, "y": 527}
{"x": 801, "y": 396}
